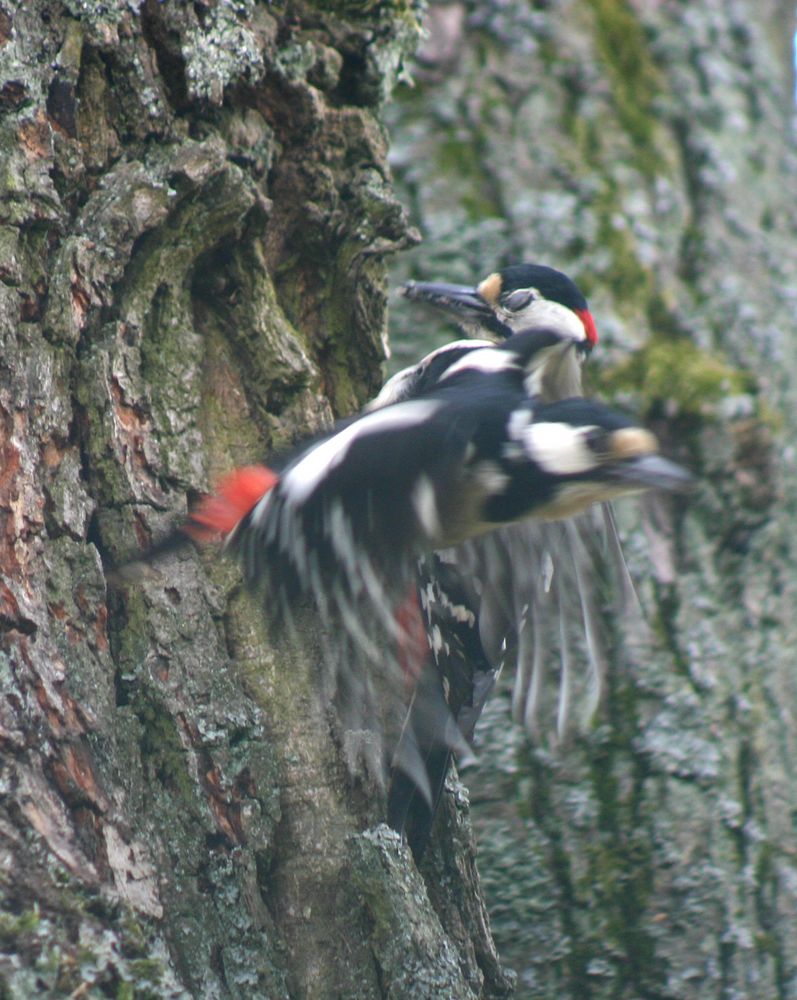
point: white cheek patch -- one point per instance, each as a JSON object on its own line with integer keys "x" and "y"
{"x": 301, "y": 479}
{"x": 544, "y": 312}
{"x": 562, "y": 373}
{"x": 559, "y": 449}
{"x": 544, "y": 362}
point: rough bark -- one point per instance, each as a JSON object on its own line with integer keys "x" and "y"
{"x": 194, "y": 211}
{"x": 648, "y": 149}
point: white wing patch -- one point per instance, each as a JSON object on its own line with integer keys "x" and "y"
{"x": 301, "y": 479}
{"x": 518, "y": 421}
{"x": 400, "y": 385}
{"x": 424, "y": 501}
{"x": 491, "y": 477}
{"x": 454, "y": 345}
{"x": 559, "y": 448}
{"x": 396, "y": 388}
{"x": 486, "y": 359}
{"x": 259, "y": 513}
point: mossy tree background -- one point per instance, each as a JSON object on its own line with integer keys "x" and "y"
{"x": 196, "y": 210}
{"x": 648, "y": 150}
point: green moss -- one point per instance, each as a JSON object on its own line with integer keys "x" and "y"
{"x": 619, "y": 872}
{"x": 162, "y": 752}
{"x": 410, "y": 10}
{"x": 130, "y": 643}
{"x": 632, "y": 75}
{"x": 12, "y": 927}
{"x": 465, "y": 161}
{"x": 351, "y": 362}
{"x": 230, "y": 440}
{"x": 627, "y": 278}
{"x": 149, "y": 969}
{"x": 675, "y": 374}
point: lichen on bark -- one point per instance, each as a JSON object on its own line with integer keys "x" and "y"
{"x": 196, "y": 208}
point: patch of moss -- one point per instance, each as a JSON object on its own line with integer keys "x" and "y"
{"x": 149, "y": 969}
{"x": 632, "y": 75}
{"x": 230, "y": 439}
{"x": 624, "y": 276}
{"x": 675, "y": 375}
{"x": 410, "y": 10}
{"x": 627, "y": 278}
{"x": 465, "y": 161}
{"x": 13, "y": 926}
{"x": 129, "y": 641}
{"x": 162, "y": 752}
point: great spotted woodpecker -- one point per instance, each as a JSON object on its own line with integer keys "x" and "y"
{"x": 344, "y": 521}
{"x": 510, "y": 574}
{"x": 517, "y": 593}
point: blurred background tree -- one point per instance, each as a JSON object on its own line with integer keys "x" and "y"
{"x": 648, "y": 150}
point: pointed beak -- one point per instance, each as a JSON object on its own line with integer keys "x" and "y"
{"x": 464, "y": 300}
{"x": 652, "y": 472}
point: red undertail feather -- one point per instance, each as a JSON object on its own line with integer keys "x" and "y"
{"x": 236, "y": 495}
{"x": 413, "y": 645}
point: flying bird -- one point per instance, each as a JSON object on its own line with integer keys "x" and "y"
{"x": 342, "y": 524}
{"x": 519, "y": 582}
{"x": 521, "y": 592}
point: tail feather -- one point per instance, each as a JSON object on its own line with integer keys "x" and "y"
{"x": 422, "y": 759}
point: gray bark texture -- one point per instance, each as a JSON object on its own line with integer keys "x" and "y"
{"x": 194, "y": 211}
{"x": 646, "y": 148}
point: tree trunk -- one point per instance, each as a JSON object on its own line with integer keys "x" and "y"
{"x": 196, "y": 208}
{"x": 648, "y": 150}
{"x": 195, "y": 211}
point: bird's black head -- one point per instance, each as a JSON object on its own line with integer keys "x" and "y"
{"x": 516, "y": 292}
{"x": 550, "y": 283}
{"x": 515, "y": 298}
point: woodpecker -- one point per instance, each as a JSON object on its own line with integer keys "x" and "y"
{"x": 517, "y": 593}
{"x": 513, "y": 575}
{"x": 344, "y": 521}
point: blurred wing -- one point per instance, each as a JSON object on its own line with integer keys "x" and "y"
{"x": 542, "y": 593}
{"x": 337, "y": 536}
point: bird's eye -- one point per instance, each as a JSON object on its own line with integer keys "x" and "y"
{"x": 519, "y": 299}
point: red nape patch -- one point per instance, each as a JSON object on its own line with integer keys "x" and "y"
{"x": 589, "y": 325}
{"x": 413, "y": 646}
{"x": 236, "y": 495}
